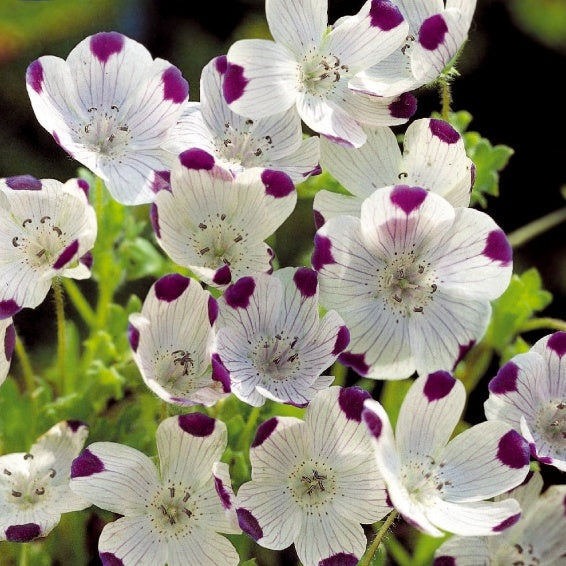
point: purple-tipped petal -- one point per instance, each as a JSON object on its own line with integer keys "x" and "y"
{"x": 154, "y": 218}
{"x": 171, "y": 287}
{"x": 509, "y": 522}
{"x": 444, "y": 131}
{"x": 408, "y": 198}
{"x": 373, "y": 422}
{"x": 277, "y": 184}
{"x": 444, "y": 561}
{"x": 161, "y": 181}
{"x": 238, "y": 295}
{"x": 212, "y": 310}
{"x": 223, "y": 493}
{"x": 432, "y": 32}
{"x": 175, "y": 87}
{"x": 75, "y": 424}
{"x": 438, "y": 385}
{"x": 34, "y": 76}
{"x": 105, "y": 44}
{"x": 404, "y": 107}
{"x": 9, "y": 342}
{"x": 66, "y": 255}
{"x": 340, "y": 559}
{"x": 557, "y": 343}
{"x": 133, "y": 337}
{"x": 351, "y": 402}
{"x": 220, "y": 373}
{"x": 463, "y": 349}
{"x": 355, "y": 361}
{"x": 322, "y": 254}
{"x": 221, "y": 64}
{"x": 234, "y": 83}
{"x": 263, "y": 431}
{"x": 498, "y": 248}
{"x": 513, "y": 450}
{"x": 197, "y": 159}
{"x": 342, "y": 340}
{"x": 24, "y": 183}
{"x": 9, "y": 308}
{"x": 306, "y": 281}
{"x": 86, "y": 464}
{"x": 109, "y": 559}
{"x": 318, "y": 219}
{"x": 197, "y": 424}
{"x": 22, "y": 533}
{"x": 248, "y": 523}
{"x": 506, "y": 379}
{"x": 86, "y": 259}
{"x": 384, "y": 15}
{"x": 222, "y": 276}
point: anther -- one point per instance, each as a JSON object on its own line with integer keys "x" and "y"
{"x": 57, "y": 230}
{"x": 238, "y": 239}
{"x": 187, "y": 512}
{"x": 258, "y": 152}
{"x": 28, "y": 456}
{"x": 403, "y": 175}
{"x": 43, "y": 219}
{"x": 15, "y": 241}
{"x": 39, "y": 490}
{"x": 172, "y": 492}
{"x": 7, "y": 472}
{"x": 434, "y": 287}
{"x": 202, "y": 226}
{"x": 16, "y": 493}
{"x": 398, "y": 299}
{"x": 92, "y": 109}
{"x": 186, "y": 497}
{"x": 26, "y": 221}
{"x": 123, "y": 128}
{"x": 40, "y": 253}
{"x": 114, "y": 107}
{"x": 418, "y": 309}
{"x": 52, "y": 472}
{"x": 268, "y": 139}
{"x": 204, "y": 250}
{"x": 222, "y": 216}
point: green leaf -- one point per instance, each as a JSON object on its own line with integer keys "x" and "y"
{"x": 316, "y": 183}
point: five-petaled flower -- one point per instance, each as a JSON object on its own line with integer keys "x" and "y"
{"x": 237, "y": 143}
{"x": 433, "y": 481}
{"x": 314, "y": 481}
{"x": 48, "y": 230}
{"x": 111, "y": 106}
{"x": 529, "y": 393}
{"x": 172, "y": 341}
{"x": 412, "y": 278}
{"x": 172, "y": 516}
{"x": 34, "y": 485}
{"x": 271, "y": 340}
{"x": 309, "y": 67}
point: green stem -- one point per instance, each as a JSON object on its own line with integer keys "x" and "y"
{"x": 24, "y": 554}
{"x": 79, "y": 301}
{"x": 27, "y": 369}
{"x": 60, "y": 315}
{"x": 545, "y": 322}
{"x": 368, "y": 556}
{"x": 537, "y": 227}
{"x": 474, "y": 365}
{"x": 445, "y": 98}
{"x": 244, "y": 439}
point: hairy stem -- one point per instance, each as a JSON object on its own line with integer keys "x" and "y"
{"x": 372, "y": 549}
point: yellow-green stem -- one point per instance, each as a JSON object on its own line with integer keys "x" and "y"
{"x": 24, "y": 554}
{"x": 537, "y": 227}
{"x": 60, "y": 315}
{"x": 79, "y": 301}
{"x": 27, "y": 369}
{"x": 445, "y": 98}
{"x": 541, "y": 323}
{"x": 372, "y": 549}
{"x": 247, "y": 430}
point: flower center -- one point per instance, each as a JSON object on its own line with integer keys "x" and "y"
{"x": 516, "y": 554}
{"x": 406, "y": 284}
{"x": 105, "y": 132}
{"x": 424, "y": 479}
{"x": 241, "y": 147}
{"x": 174, "y": 511}
{"x": 320, "y": 74}
{"x": 312, "y": 484}
{"x": 551, "y": 422}
{"x": 276, "y": 357}
{"x": 28, "y": 489}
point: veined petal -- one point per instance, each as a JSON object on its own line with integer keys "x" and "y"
{"x": 327, "y": 205}
{"x": 552, "y": 348}
{"x": 190, "y": 131}
{"x": 463, "y": 551}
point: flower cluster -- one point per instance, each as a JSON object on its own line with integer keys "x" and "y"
{"x": 402, "y": 276}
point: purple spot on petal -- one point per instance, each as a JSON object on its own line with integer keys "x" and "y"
{"x": 557, "y": 342}
{"x": 506, "y": 379}
{"x": 196, "y": 158}
{"x": 34, "y": 76}
{"x": 9, "y": 308}
{"x": 339, "y": 141}
{"x": 509, "y": 522}
{"x": 351, "y": 401}
{"x": 318, "y": 219}
{"x": 388, "y": 501}
{"x": 175, "y": 87}
{"x": 22, "y": 533}
{"x": 170, "y": 287}
{"x": 263, "y": 431}
{"x": 24, "y": 183}
{"x": 75, "y": 424}
{"x": 340, "y": 559}
{"x": 248, "y": 523}
{"x": 316, "y": 171}
{"x": 222, "y": 276}
{"x": 432, "y": 32}
{"x": 238, "y": 295}
{"x": 154, "y": 218}
{"x": 384, "y": 15}
{"x": 438, "y": 385}
{"x": 9, "y": 341}
{"x": 197, "y": 424}
{"x": 133, "y": 336}
{"x": 84, "y": 186}
{"x": 220, "y": 373}
{"x": 355, "y": 361}
{"x": 221, "y": 64}
{"x": 86, "y": 464}
{"x": 472, "y": 175}
{"x": 212, "y": 310}
{"x": 564, "y": 504}
{"x": 234, "y": 83}
{"x": 342, "y": 340}
{"x": 463, "y": 349}
{"x": 497, "y": 247}
{"x": 374, "y": 424}
{"x": 444, "y": 561}
{"x": 105, "y": 44}
{"x": 109, "y": 559}
{"x": 322, "y": 254}
{"x": 541, "y": 459}
{"x": 306, "y": 281}
{"x": 86, "y": 259}
{"x": 277, "y": 184}
{"x": 223, "y": 493}
{"x": 66, "y": 255}
{"x": 408, "y": 198}
{"x": 513, "y": 450}
{"x": 161, "y": 181}
{"x": 404, "y": 107}
{"x": 444, "y": 131}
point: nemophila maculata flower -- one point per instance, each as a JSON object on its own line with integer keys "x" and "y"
{"x": 8, "y": 341}
{"x": 47, "y": 229}
{"x": 34, "y": 485}
{"x": 314, "y": 481}
{"x": 434, "y": 157}
{"x": 172, "y": 340}
{"x": 437, "y": 31}
{"x": 529, "y": 393}
{"x": 412, "y": 278}
{"x": 537, "y": 539}
{"x": 172, "y": 515}
{"x": 111, "y": 106}
{"x": 215, "y": 224}
{"x": 271, "y": 340}
{"x": 309, "y": 67}
{"x": 438, "y": 484}
{"x": 238, "y": 143}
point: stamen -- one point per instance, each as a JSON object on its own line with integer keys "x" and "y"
{"x": 16, "y": 493}
{"x": 39, "y": 490}
{"x": 187, "y": 512}
{"x": 172, "y": 492}
{"x": 7, "y": 472}
{"x": 26, "y": 221}
{"x": 57, "y": 230}
{"x": 186, "y": 497}
{"x": 44, "y": 218}
{"x": 52, "y": 472}
{"x": 114, "y": 107}
{"x": 15, "y": 241}
{"x": 202, "y": 226}
{"x": 28, "y": 456}
{"x": 204, "y": 250}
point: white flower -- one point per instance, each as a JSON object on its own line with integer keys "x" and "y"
{"x": 310, "y": 67}
{"x": 438, "y": 484}
{"x": 110, "y": 106}
{"x": 215, "y": 224}
{"x": 171, "y": 516}
{"x": 238, "y": 143}
{"x": 434, "y": 157}
{"x": 7, "y": 344}
{"x": 314, "y": 482}
{"x": 412, "y": 278}
{"x": 172, "y": 342}
{"x": 537, "y": 538}
{"x": 34, "y": 485}
{"x": 529, "y": 393}
{"x": 437, "y": 31}
{"x": 47, "y": 229}
{"x": 271, "y": 340}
